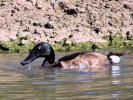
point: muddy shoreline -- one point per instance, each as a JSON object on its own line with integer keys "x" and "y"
{"x": 75, "y": 24}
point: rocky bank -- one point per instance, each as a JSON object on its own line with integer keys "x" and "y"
{"x": 78, "y": 20}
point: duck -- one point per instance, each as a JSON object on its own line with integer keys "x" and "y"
{"x": 81, "y": 59}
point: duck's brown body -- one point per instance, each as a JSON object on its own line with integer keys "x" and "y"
{"x": 82, "y": 61}
{"x": 85, "y": 60}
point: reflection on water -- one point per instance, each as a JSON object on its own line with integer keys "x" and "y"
{"x": 33, "y": 83}
{"x": 115, "y": 73}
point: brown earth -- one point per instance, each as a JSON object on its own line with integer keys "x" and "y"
{"x": 82, "y": 20}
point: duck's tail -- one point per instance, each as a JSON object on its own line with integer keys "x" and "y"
{"x": 114, "y": 58}
{"x": 117, "y": 54}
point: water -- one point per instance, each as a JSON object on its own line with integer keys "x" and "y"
{"x": 32, "y": 83}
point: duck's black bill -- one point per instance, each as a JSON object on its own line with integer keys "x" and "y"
{"x": 31, "y": 57}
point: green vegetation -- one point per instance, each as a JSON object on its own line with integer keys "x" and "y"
{"x": 17, "y": 45}
{"x": 23, "y": 44}
{"x": 117, "y": 42}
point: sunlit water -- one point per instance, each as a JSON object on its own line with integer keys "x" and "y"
{"x": 32, "y": 83}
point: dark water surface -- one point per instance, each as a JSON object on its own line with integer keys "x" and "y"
{"x": 31, "y": 83}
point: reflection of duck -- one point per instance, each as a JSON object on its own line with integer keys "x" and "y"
{"x": 78, "y": 59}
{"x": 115, "y": 72}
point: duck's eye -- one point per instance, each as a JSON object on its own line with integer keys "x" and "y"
{"x": 39, "y": 47}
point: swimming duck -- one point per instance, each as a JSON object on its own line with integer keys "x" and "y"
{"x": 74, "y": 60}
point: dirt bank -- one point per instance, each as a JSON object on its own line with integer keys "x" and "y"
{"x": 80, "y": 20}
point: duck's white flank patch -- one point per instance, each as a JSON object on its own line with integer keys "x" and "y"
{"x": 115, "y": 59}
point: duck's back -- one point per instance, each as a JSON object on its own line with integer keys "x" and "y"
{"x": 85, "y": 60}
{"x": 72, "y": 56}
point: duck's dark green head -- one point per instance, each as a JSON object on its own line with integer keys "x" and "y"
{"x": 42, "y": 49}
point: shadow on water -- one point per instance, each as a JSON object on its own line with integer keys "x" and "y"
{"x": 33, "y": 83}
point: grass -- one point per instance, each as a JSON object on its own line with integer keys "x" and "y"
{"x": 117, "y": 42}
